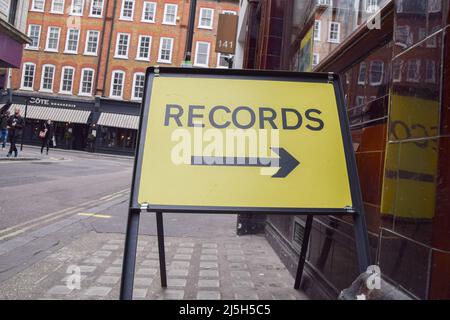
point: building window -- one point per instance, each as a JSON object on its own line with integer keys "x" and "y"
{"x": 149, "y": 12}
{"x": 57, "y": 6}
{"x": 222, "y": 60}
{"x": 165, "y": 50}
{"x": 67, "y": 74}
{"x": 325, "y": 2}
{"x": 34, "y": 32}
{"x": 430, "y": 72}
{"x": 403, "y": 36}
{"x": 28, "y": 73}
{"x": 334, "y": 32}
{"x": 413, "y": 72}
{"x": 201, "y": 54}
{"x": 205, "y": 20}
{"x": 91, "y": 42}
{"x": 123, "y": 39}
{"x": 117, "y": 80}
{"x": 362, "y": 73}
{"x": 170, "y": 13}
{"x": 376, "y": 72}
{"x": 52, "y": 39}
{"x": 77, "y": 8}
{"x": 48, "y": 73}
{"x": 371, "y": 6}
{"x": 38, "y": 5}
{"x": 143, "y": 52}
{"x": 73, "y": 36}
{"x": 397, "y": 67}
{"x": 87, "y": 78}
{"x": 127, "y": 10}
{"x": 229, "y": 12}
{"x": 317, "y": 27}
{"x": 434, "y": 6}
{"x": 316, "y": 59}
{"x": 96, "y": 9}
{"x": 138, "y": 86}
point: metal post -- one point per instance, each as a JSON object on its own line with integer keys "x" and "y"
{"x": 129, "y": 255}
{"x": 25, "y": 124}
{"x": 362, "y": 242}
{"x": 190, "y": 31}
{"x": 304, "y": 250}
{"x": 161, "y": 249}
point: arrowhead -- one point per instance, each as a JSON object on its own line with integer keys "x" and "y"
{"x": 287, "y": 163}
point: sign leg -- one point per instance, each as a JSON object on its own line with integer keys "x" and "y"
{"x": 129, "y": 255}
{"x": 304, "y": 250}
{"x": 362, "y": 242}
{"x": 161, "y": 249}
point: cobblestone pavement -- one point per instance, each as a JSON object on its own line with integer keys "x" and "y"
{"x": 229, "y": 268}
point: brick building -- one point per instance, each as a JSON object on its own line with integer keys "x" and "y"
{"x": 89, "y": 57}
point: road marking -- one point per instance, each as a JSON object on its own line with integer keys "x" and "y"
{"x": 24, "y": 226}
{"x": 94, "y": 215}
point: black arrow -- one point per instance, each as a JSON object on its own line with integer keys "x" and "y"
{"x": 286, "y": 162}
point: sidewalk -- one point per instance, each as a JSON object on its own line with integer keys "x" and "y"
{"x": 230, "y": 268}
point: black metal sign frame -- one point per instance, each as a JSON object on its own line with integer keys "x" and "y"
{"x": 135, "y": 209}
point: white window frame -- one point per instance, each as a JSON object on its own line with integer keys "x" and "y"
{"x": 316, "y": 57}
{"x": 161, "y": 40}
{"x": 122, "y": 17}
{"x": 33, "y": 2}
{"x": 200, "y": 26}
{"x": 116, "y": 51}
{"x": 139, "y": 48}
{"x": 29, "y": 47}
{"x": 22, "y": 87}
{"x": 318, "y": 30}
{"x": 52, "y": 8}
{"x": 112, "y": 84}
{"x": 42, "y": 78}
{"x": 71, "y": 13}
{"x": 338, "y": 40}
{"x": 80, "y": 93}
{"x": 166, "y": 6}
{"x": 362, "y": 82}
{"x": 430, "y": 63}
{"x": 397, "y": 64}
{"x": 48, "y": 39}
{"x": 67, "y": 42}
{"x": 207, "y": 57}
{"x": 92, "y": 6}
{"x": 376, "y": 83}
{"x": 62, "y": 80}
{"x": 133, "y": 89}
{"x": 219, "y": 55}
{"x": 155, "y": 6}
{"x": 87, "y": 53}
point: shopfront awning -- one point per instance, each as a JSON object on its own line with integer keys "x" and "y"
{"x": 118, "y": 120}
{"x": 54, "y": 114}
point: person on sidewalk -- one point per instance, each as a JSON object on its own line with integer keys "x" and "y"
{"x": 4, "y": 128}
{"x": 15, "y": 126}
{"x": 46, "y": 134}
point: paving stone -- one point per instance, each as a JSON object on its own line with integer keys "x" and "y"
{"x": 179, "y": 264}
{"x": 185, "y": 250}
{"x": 150, "y": 263}
{"x": 116, "y": 270}
{"x": 208, "y": 283}
{"x": 152, "y": 256}
{"x": 108, "y": 279}
{"x": 281, "y": 295}
{"x": 209, "y": 265}
{"x": 98, "y": 291}
{"x": 147, "y": 271}
{"x": 237, "y": 265}
{"x": 186, "y": 244}
{"x": 118, "y": 261}
{"x": 82, "y": 277}
{"x": 182, "y": 257}
{"x": 110, "y": 247}
{"x": 232, "y": 246}
{"x": 208, "y": 257}
{"x": 243, "y": 284}
{"x": 143, "y": 282}
{"x": 209, "y": 251}
{"x": 115, "y": 241}
{"x": 234, "y": 252}
{"x": 209, "y": 273}
{"x": 102, "y": 253}
{"x": 139, "y": 293}
{"x": 246, "y": 296}
{"x": 240, "y": 274}
{"x": 171, "y": 294}
{"x": 209, "y": 245}
{"x": 94, "y": 260}
{"x": 59, "y": 290}
{"x": 176, "y": 282}
{"x": 178, "y": 272}
{"x": 235, "y": 258}
{"x": 208, "y": 295}
{"x": 87, "y": 269}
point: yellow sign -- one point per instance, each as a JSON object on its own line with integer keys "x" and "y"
{"x": 241, "y": 143}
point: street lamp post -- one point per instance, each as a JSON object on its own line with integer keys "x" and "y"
{"x": 25, "y": 123}
{"x": 190, "y": 34}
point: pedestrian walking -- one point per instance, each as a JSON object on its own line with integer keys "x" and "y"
{"x": 4, "y": 128}
{"x": 46, "y": 134}
{"x": 15, "y": 125}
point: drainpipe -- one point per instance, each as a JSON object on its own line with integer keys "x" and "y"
{"x": 109, "y": 46}
{"x": 102, "y": 38}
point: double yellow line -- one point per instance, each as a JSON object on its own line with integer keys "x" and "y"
{"x": 33, "y": 223}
